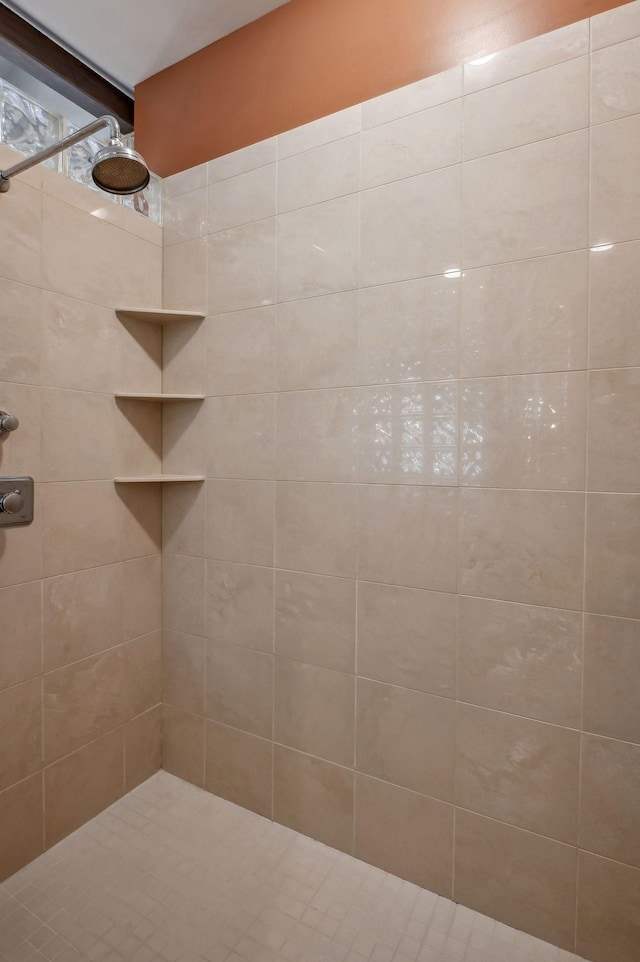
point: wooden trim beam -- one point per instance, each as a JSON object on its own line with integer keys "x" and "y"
{"x": 25, "y": 45}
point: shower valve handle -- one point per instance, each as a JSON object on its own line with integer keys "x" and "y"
{"x": 8, "y": 422}
{"x": 11, "y": 503}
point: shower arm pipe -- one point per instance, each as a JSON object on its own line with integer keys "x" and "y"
{"x": 28, "y": 162}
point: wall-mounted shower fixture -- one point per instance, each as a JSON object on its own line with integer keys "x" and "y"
{"x": 8, "y": 423}
{"x": 16, "y": 501}
{"x": 116, "y": 168}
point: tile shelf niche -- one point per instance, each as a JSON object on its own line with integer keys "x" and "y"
{"x": 161, "y": 317}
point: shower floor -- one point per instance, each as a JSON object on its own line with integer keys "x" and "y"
{"x": 172, "y": 873}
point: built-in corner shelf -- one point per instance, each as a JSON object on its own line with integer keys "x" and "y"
{"x": 161, "y": 398}
{"x": 154, "y": 315}
{"x": 160, "y": 479}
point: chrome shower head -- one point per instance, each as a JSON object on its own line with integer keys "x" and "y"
{"x": 116, "y": 168}
{"x": 119, "y": 169}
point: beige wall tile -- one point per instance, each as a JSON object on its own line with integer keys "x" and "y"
{"x": 183, "y": 518}
{"x": 184, "y": 359}
{"x": 81, "y": 785}
{"x": 524, "y": 432}
{"x": 184, "y": 216}
{"x": 393, "y": 521}
{"x": 21, "y": 608}
{"x": 243, "y": 199}
{"x": 318, "y": 249}
{"x": 143, "y": 747}
{"x": 316, "y": 528}
{"x": 142, "y": 596}
{"x": 613, "y": 26}
{"x": 142, "y": 673}
{"x": 69, "y": 511}
{"x": 256, "y": 155}
{"x": 241, "y": 437}
{"x": 241, "y": 267}
{"x": 318, "y": 132}
{"x": 614, "y": 423}
{"x": 240, "y": 521}
{"x": 614, "y": 298}
{"x": 21, "y": 831}
{"x": 21, "y": 732}
{"x": 406, "y": 737}
{"x": 523, "y": 58}
{"x": 539, "y": 105}
{"x": 408, "y": 434}
{"x": 21, "y": 244}
{"x": 82, "y": 702}
{"x": 239, "y": 605}
{"x": 138, "y": 438}
{"x": 521, "y": 659}
{"x": 323, "y": 173}
{"x": 183, "y": 671}
{"x": 614, "y": 81}
{"x": 241, "y": 352}
{"x": 408, "y": 637}
{"x": 527, "y": 201}
{"x": 21, "y": 320}
{"x": 239, "y": 768}
{"x": 615, "y": 194}
{"x": 71, "y": 422}
{"x": 409, "y": 331}
{"x": 317, "y": 436}
{"x": 608, "y": 908}
{"x": 314, "y": 710}
{"x": 609, "y": 791}
{"x": 82, "y": 614}
{"x": 183, "y": 744}
{"x": 524, "y": 546}
{"x": 411, "y": 228}
{"x": 20, "y": 452}
{"x": 313, "y": 797}
{"x": 417, "y": 96}
{"x": 519, "y": 878}
{"x": 612, "y": 560}
{"x": 21, "y": 551}
{"x": 499, "y": 336}
{"x": 405, "y": 833}
{"x": 414, "y": 144}
{"x": 141, "y": 519}
{"x": 183, "y": 587}
{"x": 239, "y": 688}
{"x": 518, "y": 771}
{"x": 611, "y": 666}
{"x": 184, "y": 276}
{"x": 185, "y": 181}
{"x": 315, "y": 620}
{"x": 317, "y": 342}
{"x": 184, "y": 438}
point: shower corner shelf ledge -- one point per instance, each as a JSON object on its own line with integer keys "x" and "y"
{"x": 160, "y": 479}
{"x": 156, "y": 315}
{"x": 162, "y": 398}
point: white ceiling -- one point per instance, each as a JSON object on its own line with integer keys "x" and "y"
{"x": 130, "y": 40}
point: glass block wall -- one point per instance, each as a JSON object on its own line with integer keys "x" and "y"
{"x": 28, "y": 127}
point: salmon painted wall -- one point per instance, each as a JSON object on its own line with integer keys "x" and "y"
{"x": 310, "y": 58}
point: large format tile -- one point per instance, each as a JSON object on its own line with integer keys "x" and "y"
{"x": 143, "y": 747}
{"x": 240, "y": 521}
{"x": 240, "y": 161}
{"x": 412, "y": 98}
{"x": 608, "y": 908}
{"x": 21, "y": 320}
{"x": 615, "y": 194}
{"x": 526, "y": 317}
{"x": 614, "y": 423}
{"x": 184, "y": 217}
{"x": 317, "y": 342}
{"x": 316, "y": 528}
{"x": 317, "y": 436}
{"x": 239, "y": 605}
{"x": 521, "y": 659}
{"x": 20, "y": 825}
{"x": 239, "y": 767}
{"x": 241, "y": 437}
{"x": 612, "y": 556}
{"x": 524, "y": 546}
{"x": 21, "y": 245}
{"x": 183, "y": 744}
{"x": 519, "y": 878}
{"x": 183, "y": 671}
{"x": 527, "y": 201}
{"x": 322, "y": 173}
{"x": 315, "y": 619}
{"x": 407, "y": 637}
{"x": 614, "y": 280}
{"x": 611, "y": 666}
{"x": 241, "y": 352}
{"x": 239, "y": 688}
{"x": 22, "y": 633}
{"x": 406, "y": 737}
{"x": 404, "y": 833}
{"x": 614, "y": 26}
{"x": 518, "y": 771}
{"x": 313, "y": 797}
{"x": 335, "y": 126}
{"x": 614, "y": 81}
{"x": 609, "y": 790}
{"x": 243, "y": 199}
{"x": 241, "y": 267}
{"x": 406, "y": 536}
{"x": 21, "y": 732}
{"x": 411, "y": 228}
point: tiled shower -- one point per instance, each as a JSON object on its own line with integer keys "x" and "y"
{"x": 402, "y": 613}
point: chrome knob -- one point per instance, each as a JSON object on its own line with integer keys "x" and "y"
{"x": 11, "y": 503}
{"x": 8, "y": 422}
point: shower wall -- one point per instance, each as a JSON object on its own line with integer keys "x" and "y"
{"x": 402, "y": 615}
{"x": 80, "y": 587}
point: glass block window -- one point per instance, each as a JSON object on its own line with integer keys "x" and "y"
{"x": 78, "y": 159}
{"x": 27, "y": 126}
{"x": 147, "y": 202}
